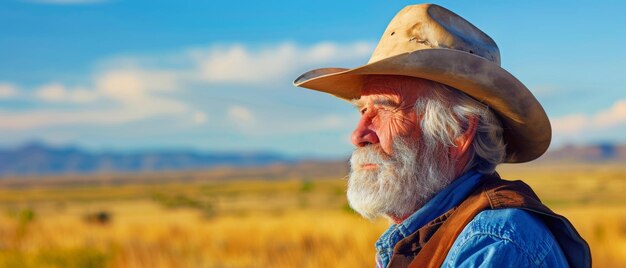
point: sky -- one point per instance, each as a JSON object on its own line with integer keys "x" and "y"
{"x": 217, "y": 75}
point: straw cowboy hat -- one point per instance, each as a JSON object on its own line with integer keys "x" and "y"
{"x": 431, "y": 42}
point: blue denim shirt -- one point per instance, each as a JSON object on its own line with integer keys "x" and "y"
{"x": 494, "y": 238}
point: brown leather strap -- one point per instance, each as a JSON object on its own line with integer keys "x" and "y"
{"x": 499, "y": 194}
{"x": 435, "y": 251}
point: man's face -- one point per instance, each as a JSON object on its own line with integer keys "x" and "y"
{"x": 393, "y": 172}
{"x": 387, "y": 111}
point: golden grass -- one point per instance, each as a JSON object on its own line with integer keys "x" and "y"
{"x": 258, "y": 223}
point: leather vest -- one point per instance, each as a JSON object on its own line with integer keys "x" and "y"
{"x": 429, "y": 246}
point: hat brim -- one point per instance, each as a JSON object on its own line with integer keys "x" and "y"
{"x": 527, "y": 130}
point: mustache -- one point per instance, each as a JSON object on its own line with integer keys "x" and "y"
{"x": 370, "y": 154}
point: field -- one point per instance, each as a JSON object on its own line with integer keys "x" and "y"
{"x": 271, "y": 217}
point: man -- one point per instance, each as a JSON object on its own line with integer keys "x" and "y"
{"x": 438, "y": 113}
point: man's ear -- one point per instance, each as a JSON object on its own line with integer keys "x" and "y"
{"x": 464, "y": 141}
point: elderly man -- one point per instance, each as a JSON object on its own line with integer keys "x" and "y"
{"x": 438, "y": 113}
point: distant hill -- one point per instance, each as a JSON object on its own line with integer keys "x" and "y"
{"x": 587, "y": 153}
{"x": 41, "y": 159}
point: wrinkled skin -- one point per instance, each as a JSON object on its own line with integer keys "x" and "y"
{"x": 386, "y": 107}
{"x": 387, "y": 111}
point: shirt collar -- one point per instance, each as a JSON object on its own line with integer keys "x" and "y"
{"x": 444, "y": 200}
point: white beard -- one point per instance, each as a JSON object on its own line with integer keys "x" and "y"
{"x": 402, "y": 183}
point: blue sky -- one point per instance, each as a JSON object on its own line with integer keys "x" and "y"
{"x": 209, "y": 75}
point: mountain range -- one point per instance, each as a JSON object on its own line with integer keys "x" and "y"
{"x": 41, "y": 159}
{"x": 603, "y": 152}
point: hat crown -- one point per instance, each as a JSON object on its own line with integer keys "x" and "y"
{"x": 428, "y": 26}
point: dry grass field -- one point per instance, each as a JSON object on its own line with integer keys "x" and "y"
{"x": 289, "y": 220}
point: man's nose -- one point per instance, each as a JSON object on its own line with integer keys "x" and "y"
{"x": 363, "y": 135}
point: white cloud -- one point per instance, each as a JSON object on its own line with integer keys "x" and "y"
{"x": 569, "y": 124}
{"x": 199, "y": 118}
{"x": 106, "y": 116}
{"x": 296, "y": 122}
{"x": 56, "y": 92}
{"x": 129, "y": 84}
{"x": 320, "y": 123}
{"x": 614, "y": 116}
{"x": 577, "y": 124}
{"x": 7, "y": 90}
{"x": 51, "y": 92}
{"x": 241, "y": 117}
{"x": 238, "y": 64}
{"x": 132, "y": 94}
{"x": 127, "y": 89}
{"x": 545, "y": 90}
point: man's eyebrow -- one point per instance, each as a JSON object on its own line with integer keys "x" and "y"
{"x": 386, "y": 102}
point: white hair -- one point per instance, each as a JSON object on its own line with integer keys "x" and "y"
{"x": 418, "y": 169}
{"x": 403, "y": 181}
{"x": 446, "y": 113}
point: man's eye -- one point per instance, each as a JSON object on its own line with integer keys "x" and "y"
{"x": 363, "y": 110}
